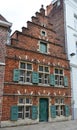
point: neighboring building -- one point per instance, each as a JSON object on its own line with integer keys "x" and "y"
{"x": 63, "y": 14}
{"x": 37, "y": 76}
{"x": 4, "y": 30}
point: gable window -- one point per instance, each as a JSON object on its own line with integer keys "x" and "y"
{"x": 59, "y": 77}
{"x": 43, "y": 74}
{"x": 43, "y": 33}
{"x": 25, "y": 72}
{"x": 43, "y": 47}
{"x": 24, "y": 108}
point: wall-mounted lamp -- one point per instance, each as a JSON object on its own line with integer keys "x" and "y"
{"x": 72, "y": 54}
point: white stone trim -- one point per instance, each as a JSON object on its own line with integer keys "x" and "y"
{"x": 53, "y": 1}
{"x": 73, "y": 65}
{"x": 2, "y": 64}
{"x": 5, "y": 24}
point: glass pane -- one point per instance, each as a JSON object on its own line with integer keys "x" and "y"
{"x": 27, "y": 100}
{"x": 56, "y": 77}
{"x": 29, "y": 66}
{"x": 26, "y": 114}
{"x": 62, "y": 100}
{"x": 28, "y": 73}
{"x": 57, "y": 101}
{"x": 20, "y": 108}
{"x": 21, "y": 79}
{"x": 28, "y": 80}
{"x": 40, "y": 68}
{"x": 40, "y": 78}
{"x": 27, "y": 108}
{"x": 56, "y": 71}
{"x": 21, "y": 100}
{"x": 61, "y": 71}
{"x": 46, "y": 76}
{"x": 46, "y": 69}
{"x": 20, "y": 115}
{"x": 22, "y": 65}
{"x": 43, "y": 33}
{"x": 28, "y": 76}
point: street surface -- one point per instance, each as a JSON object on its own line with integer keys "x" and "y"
{"x": 66, "y": 125}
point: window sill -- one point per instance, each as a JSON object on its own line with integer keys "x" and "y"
{"x": 40, "y": 84}
{"x": 59, "y": 86}
{"x": 25, "y": 83}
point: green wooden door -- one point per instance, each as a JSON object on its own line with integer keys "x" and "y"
{"x": 43, "y": 109}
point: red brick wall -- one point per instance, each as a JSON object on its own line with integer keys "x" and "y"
{"x": 56, "y": 15}
{"x": 3, "y": 40}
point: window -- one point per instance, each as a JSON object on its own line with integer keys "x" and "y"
{"x": 43, "y": 33}
{"x": 24, "y": 108}
{"x": 75, "y": 21}
{"x": 58, "y": 3}
{"x": 8, "y": 37}
{"x": 43, "y": 47}
{"x": 76, "y": 48}
{"x": 25, "y": 72}
{"x": 60, "y": 106}
{"x": 59, "y": 77}
{"x": 43, "y": 74}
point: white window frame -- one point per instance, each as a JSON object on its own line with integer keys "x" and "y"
{"x": 60, "y": 105}
{"x": 25, "y": 71}
{"x": 24, "y": 105}
{"x": 59, "y": 82}
{"x": 44, "y": 73}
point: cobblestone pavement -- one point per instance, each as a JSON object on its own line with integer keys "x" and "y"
{"x": 66, "y": 125}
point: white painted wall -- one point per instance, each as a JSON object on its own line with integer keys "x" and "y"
{"x": 71, "y": 38}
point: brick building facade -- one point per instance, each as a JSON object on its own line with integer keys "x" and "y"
{"x": 37, "y": 75}
{"x": 4, "y": 29}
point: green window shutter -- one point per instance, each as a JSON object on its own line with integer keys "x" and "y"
{"x": 53, "y": 111}
{"x": 67, "y": 111}
{"x": 34, "y": 112}
{"x": 14, "y": 113}
{"x": 65, "y": 81}
{"x": 35, "y": 77}
{"x": 16, "y": 74}
{"x": 52, "y": 79}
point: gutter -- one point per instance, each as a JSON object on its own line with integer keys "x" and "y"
{"x": 5, "y": 24}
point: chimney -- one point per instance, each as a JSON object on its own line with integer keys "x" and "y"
{"x": 48, "y": 9}
{"x": 42, "y": 11}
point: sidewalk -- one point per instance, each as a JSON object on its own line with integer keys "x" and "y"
{"x": 66, "y": 125}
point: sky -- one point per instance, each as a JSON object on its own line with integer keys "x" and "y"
{"x": 18, "y": 12}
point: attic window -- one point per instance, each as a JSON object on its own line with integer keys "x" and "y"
{"x": 43, "y": 33}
